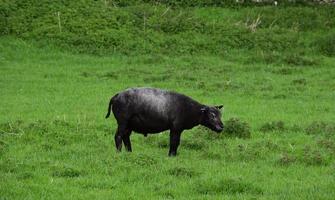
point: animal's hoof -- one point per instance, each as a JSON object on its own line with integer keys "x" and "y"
{"x": 172, "y": 154}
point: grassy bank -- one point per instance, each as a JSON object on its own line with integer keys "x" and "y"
{"x": 135, "y": 28}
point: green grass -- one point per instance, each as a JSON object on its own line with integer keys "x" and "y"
{"x": 276, "y": 81}
{"x": 174, "y": 28}
{"x": 56, "y": 144}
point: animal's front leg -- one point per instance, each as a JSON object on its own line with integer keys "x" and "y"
{"x": 174, "y": 142}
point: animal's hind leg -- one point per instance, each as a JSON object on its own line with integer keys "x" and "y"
{"x": 118, "y": 140}
{"x": 126, "y": 140}
{"x": 121, "y": 130}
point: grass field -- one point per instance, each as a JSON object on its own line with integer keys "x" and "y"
{"x": 62, "y": 61}
{"x": 56, "y": 144}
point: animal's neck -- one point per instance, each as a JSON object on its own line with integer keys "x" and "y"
{"x": 194, "y": 116}
{"x": 201, "y": 118}
{"x": 200, "y": 115}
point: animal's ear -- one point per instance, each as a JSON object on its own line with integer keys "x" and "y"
{"x": 219, "y": 107}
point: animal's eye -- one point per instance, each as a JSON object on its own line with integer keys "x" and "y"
{"x": 213, "y": 115}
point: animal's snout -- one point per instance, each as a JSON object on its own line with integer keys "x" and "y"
{"x": 219, "y": 128}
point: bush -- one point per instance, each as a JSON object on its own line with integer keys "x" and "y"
{"x": 227, "y": 186}
{"x": 317, "y": 128}
{"x": 234, "y": 127}
{"x": 297, "y": 60}
{"x": 12, "y": 127}
{"x": 182, "y": 172}
{"x": 326, "y": 44}
{"x": 163, "y": 27}
{"x": 273, "y": 126}
{"x": 286, "y": 159}
{"x": 66, "y": 172}
{"x": 313, "y": 157}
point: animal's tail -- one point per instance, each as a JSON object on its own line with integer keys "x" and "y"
{"x": 110, "y": 106}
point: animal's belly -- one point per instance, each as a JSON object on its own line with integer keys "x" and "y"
{"x": 148, "y": 124}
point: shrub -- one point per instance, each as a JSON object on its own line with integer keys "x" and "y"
{"x": 301, "y": 81}
{"x": 165, "y": 27}
{"x": 316, "y": 128}
{"x": 327, "y": 144}
{"x": 298, "y": 60}
{"x": 326, "y": 44}
{"x": 182, "y": 172}
{"x": 313, "y": 157}
{"x": 12, "y": 127}
{"x": 195, "y": 144}
{"x": 140, "y": 160}
{"x": 234, "y": 127}
{"x": 273, "y": 126}
{"x": 286, "y": 159}
{"x": 230, "y": 186}
{"x": 66, "y": 172}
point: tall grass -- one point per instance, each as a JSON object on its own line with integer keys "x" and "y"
{"x": 135, "y": 28}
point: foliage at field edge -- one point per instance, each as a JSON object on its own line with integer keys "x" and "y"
{"x": 150, "y": 27}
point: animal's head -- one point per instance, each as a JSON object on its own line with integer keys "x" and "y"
{"x": 211, "y": 118}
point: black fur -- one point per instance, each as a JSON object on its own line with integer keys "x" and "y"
{"x": 110, "y": 106}
{"x": 150, "y": 110}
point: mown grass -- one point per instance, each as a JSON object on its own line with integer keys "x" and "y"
{"x": 56, "y": 144}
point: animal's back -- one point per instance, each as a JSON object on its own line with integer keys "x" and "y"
{"x": 147, "y": 100}
{"x": 147, "y": 109}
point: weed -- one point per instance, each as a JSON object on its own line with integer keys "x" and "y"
{"x": 141, "y": 160}
{"x": 12, "y": 127}
{"x": 301, "y": 81}
{"x": 38, "y": 126}
{"x": 227, "y": 186}
{"x": 110, "y": 75}
{"x": 286, "y": 159}
{"x": 268, "y": 144}
{"x": 100, "y": 185}
{"x": 65, "y": 172}
{"x": 327, "y": 143}
{"x": 194, "y": 144}
{"x": 163, "y": 144}
{"x": 84, "y": 74}
{"x": 284, "y": 71}
{"x": 326, "y": 44}
{"x": 280, "y": 96}
{"x": 159, "y": 78}
{"x": 211, "y": 155}
{"x": 297, "y": 60}
{"x": 313, "y": 157}
{"x": 182, "y": 172}
{"x": 3, "y": 147}
{"x": 25, "y": 175}
{"x": 319, "y": 127}
{"x": 234, "y": 127}
{"x": 273, "y": 126}
{"x": 47, "y": 147}
{"x": 249, "y": 152}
